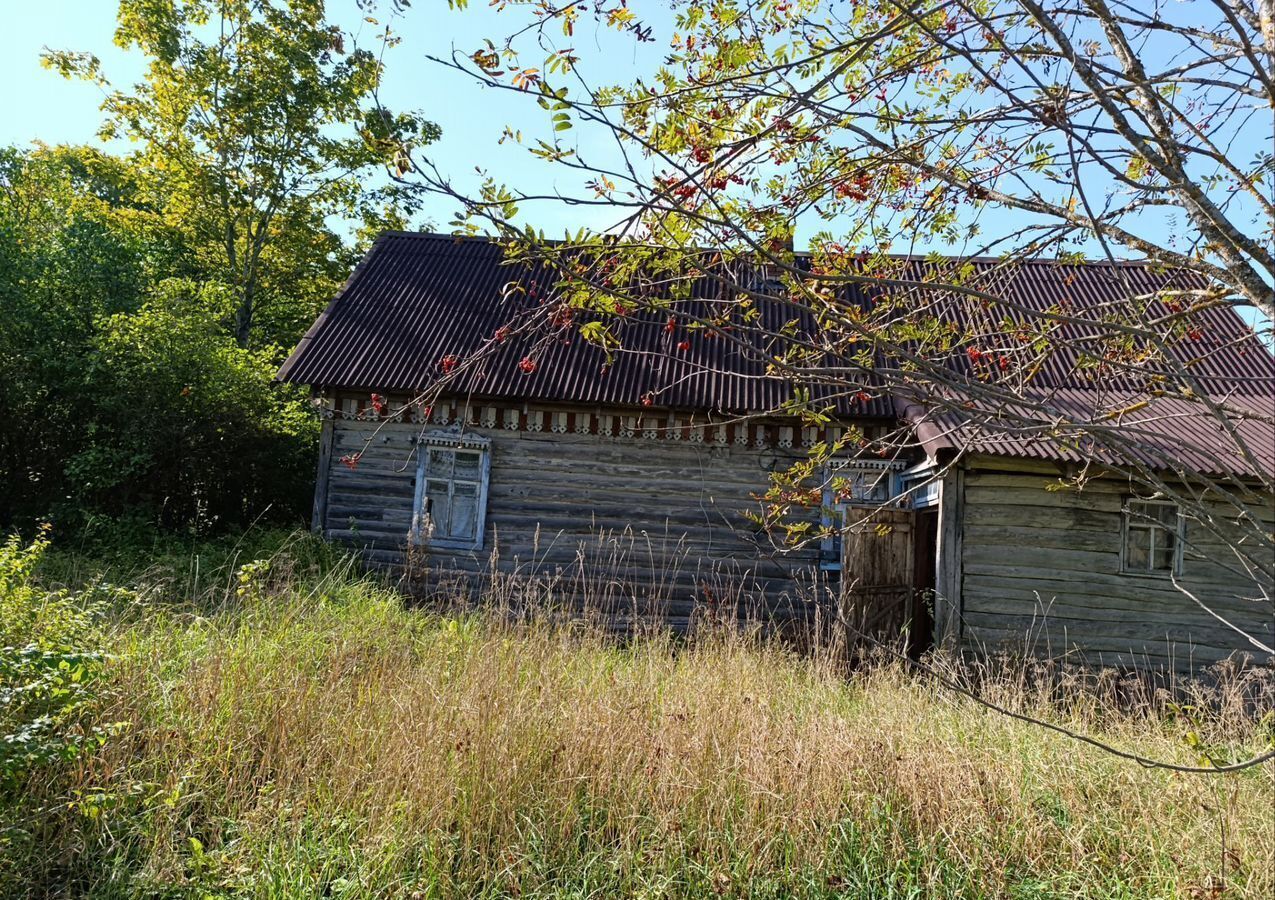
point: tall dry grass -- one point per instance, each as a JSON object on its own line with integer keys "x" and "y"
{"x": 305, "y": 735}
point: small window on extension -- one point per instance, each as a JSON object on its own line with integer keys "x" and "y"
{"x": 451, "y": 497}
{"x": 1152, "y": 537}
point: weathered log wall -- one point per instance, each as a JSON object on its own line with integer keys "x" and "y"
{"x": 1041, "y": 574}
{"x": 657, "y": 527}
{"x": 631, "y": 518}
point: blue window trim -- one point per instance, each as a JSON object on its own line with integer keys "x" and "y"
{"x": 450, "y": 441}
{"x": 832, "y": 513}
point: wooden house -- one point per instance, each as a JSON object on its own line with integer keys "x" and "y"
{"x": 632, "y": 476}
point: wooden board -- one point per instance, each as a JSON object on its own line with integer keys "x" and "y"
{"x": 623, "y": 516}
{"x": 1040, "y": 572}
{"x": 877, "y": 573}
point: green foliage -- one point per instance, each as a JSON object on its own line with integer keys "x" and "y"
{"x": 67, "y": 261}
{"x": 48, "y": 666}
{"x": 146, "y": 300}
{"x": 125, "y": 389}
{"x": 189, "y": 424}
{"x": 257, "y": 122}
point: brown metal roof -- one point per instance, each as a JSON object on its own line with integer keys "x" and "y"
{"x": 417, "y": 299}
{"x": 1073, "y": 425}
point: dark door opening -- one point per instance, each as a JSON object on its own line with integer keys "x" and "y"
{"x": 925, "y": 542}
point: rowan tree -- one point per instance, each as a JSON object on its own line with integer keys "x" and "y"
{"x": 887, "y": 130}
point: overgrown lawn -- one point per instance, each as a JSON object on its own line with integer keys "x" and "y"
{"x": 269, "y": 723}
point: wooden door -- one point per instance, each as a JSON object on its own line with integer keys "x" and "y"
{"x": 877, "y": 573}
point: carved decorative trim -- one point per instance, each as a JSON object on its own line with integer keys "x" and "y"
{"x": 524, "y": 418}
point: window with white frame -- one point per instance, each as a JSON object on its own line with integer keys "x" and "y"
{"x": 451, "y": 492}
{"x": 1152, "y": 537}
{"x": 851, "y": 483}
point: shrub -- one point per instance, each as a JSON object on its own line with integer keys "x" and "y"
{"x": 48, "y": 666}
{"x": 125, "y": 391}
{"x": 188, "y": 427}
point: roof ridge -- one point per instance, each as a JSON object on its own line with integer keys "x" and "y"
{"x": 917, "y": 257}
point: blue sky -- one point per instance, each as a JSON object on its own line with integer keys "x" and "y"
{"x": 41, "y": 105}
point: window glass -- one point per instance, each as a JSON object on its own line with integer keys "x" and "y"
{"x": 1152, "y": 532}
{"x": 872, "y": 487}
{"x": 438, "y": 508}
{"x": 1162, "y": 557}
{"x": 848, "y": 486}
{"x": 468, "y": 465}
{"x": 1138, "y": 551}
{"x": 452, "y": 492}
{"x": 464, "y": 511}
{"x": 440, "y": 463}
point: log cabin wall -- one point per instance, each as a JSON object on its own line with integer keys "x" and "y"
{"x": 637, "y": 511}
{"x": 1041, "y": 574}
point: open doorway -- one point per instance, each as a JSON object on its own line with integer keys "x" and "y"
{"x": 925, "y": 543}
{"x": 888, "y": 568}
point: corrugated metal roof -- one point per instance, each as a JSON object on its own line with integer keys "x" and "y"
{"x": 417, "y": 299}
{"x": 1223, "y": 354}
{"x": 1080, "y": 425}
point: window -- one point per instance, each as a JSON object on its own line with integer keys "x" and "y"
{"x": 451, "y": 493}
{"x": 861, "y": 487}
{"x": 1152, "y": 537}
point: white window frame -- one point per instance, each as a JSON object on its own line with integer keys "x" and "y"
{"x": 833, "y": 511}
{"x": 449, "y": 442}
{"x": 1136, "y": 521}
{"x": 921, "y": 485}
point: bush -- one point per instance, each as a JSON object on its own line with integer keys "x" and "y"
{"x": 125, "y": 392}
{"x": 49, "y": 663}
{"x": 188, "y": 427}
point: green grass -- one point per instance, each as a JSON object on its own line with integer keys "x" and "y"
{"x": 277, "y": 725}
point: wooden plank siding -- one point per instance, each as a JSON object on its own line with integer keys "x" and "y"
{"x": 1041, "y": 575}
{"x": 627, "y": 514}
{"x": 648, "y": 522}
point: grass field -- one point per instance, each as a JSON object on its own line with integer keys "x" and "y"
{"x": 269, "y": 723}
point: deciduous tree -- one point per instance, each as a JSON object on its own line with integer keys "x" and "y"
{"x": 257, "y": 124}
